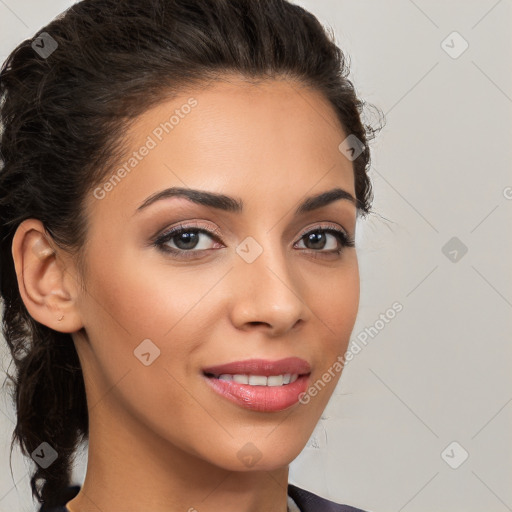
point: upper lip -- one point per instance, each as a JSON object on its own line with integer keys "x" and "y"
{"x": 264, "y": 367}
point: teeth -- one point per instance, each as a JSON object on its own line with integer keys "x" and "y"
{"x": 260, "y": 380}
{"x": 257, "y": 380}
{"x": 241, "y": 379}
{"x": 275, "y": 380}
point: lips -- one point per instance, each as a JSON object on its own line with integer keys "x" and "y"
{"x": 291, "y": 365}
{"x": 260, "y": 385}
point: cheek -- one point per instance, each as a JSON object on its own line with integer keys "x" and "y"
{"x": 336, "y": 302}
{"x": 135, "y": 297}
{"x": 124, "y": 308}
{"x": 335, "y": 308}
{"x": 130, "y": 300}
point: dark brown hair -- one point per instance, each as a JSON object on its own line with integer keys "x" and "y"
{"x": 63, "y": 118}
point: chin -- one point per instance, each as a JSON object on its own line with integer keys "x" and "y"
{"x": 265, "y": 453}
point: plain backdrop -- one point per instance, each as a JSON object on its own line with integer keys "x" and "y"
{"x": 422, "y": 416}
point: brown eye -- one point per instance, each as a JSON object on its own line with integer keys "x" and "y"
{"x": 185, "y": 239}
{"x": 318, "y": 240}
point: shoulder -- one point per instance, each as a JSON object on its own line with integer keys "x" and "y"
{"x": 309, "y": 502}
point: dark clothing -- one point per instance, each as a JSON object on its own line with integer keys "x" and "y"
{"x": 309, "y": 502}
{"x": 305, "y": 500}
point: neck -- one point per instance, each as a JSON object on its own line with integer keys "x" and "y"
{"x": 130, "y": 468}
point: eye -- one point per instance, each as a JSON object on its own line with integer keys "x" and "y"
{"x": 187, "y": 240}
{"x": 318, "y": 240}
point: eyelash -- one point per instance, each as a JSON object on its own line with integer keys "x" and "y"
{"x": 343, "y": 238}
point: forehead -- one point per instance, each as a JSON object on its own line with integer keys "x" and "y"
{"x": 262, "y": 139}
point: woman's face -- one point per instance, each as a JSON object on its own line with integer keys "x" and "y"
{"x": 161, "y": 318}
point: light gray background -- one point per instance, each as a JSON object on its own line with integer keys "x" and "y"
{"x": 440, "y": 371}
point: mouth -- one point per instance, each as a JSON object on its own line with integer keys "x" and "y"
{"x": 261, "y": 368}
{"x": 260, "y": 385}
{"x": 257, "y": 380}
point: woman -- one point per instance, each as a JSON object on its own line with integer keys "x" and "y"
{"x": 180, "y": 187}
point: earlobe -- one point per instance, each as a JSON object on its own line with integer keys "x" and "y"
{"x": 48, "y": 292}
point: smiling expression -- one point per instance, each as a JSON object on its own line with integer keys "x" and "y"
{"x": 257, "y": 263}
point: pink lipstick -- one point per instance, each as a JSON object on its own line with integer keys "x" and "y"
{"x": 259, "y": 384}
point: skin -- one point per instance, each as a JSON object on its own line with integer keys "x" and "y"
{"x": 160, "y": 439}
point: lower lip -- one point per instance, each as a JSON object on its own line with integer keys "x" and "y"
{"x": 260, "y": 398}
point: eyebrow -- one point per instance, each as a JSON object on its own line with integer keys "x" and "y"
{"x": 236, "y": 205}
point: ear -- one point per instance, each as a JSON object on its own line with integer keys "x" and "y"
{"x": 46, "y": 278}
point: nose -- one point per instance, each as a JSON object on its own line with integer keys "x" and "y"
{"x": 267, "y": 295}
